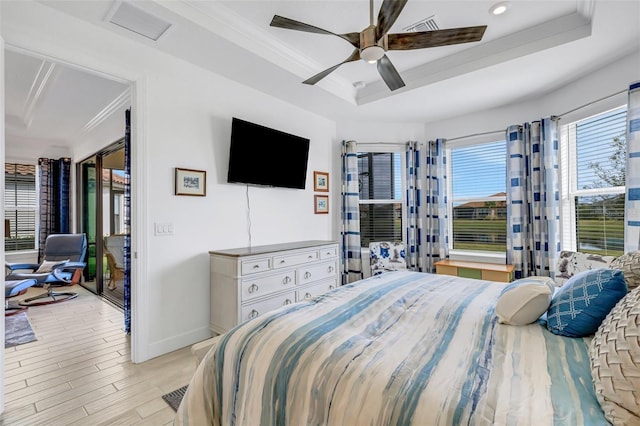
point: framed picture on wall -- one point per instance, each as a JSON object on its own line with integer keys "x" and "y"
{"x": 190, "y": 182}
{"x": 321, "y": 204}
{"x": 321, "y": 181}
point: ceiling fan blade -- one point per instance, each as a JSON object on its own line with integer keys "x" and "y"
{"x": 389, "y": 12}
{"x": 420, "y": 40}
{"x": 389, "y": 73}
{"x": 316, "y": 78}
{"x": 290, "y": 24}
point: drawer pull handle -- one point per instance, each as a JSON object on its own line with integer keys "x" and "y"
{"x": 256, "y": 266}
{"x": 253, "y": 314}
{"x": 253, "y": 288}
{"x": 310, "y": 256}
{"x": 307, "y": 274}
{"x": 307, "y": 295}
{"x": 286, "y": 280}
{"x": 331, "y": 287}
{"x": 286, "y": 302}
{"x": 330, "y": 269}
{"x": 328, "y": 253}
{"x": 282, "y": 261}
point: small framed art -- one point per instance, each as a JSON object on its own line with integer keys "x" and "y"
{"x": 321, "y": 181}
{"x": 190, "y": 182}
{"x": 321, "y": 204}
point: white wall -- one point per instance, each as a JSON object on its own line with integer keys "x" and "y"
{"x": 600, "y": 84}
{"x": 185, "y": 122}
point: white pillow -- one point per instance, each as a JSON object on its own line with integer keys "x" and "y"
{"x": 523, "y": 301}
{"x": 47, "y": 265}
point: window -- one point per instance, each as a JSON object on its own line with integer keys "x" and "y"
{"x": 381, "y": 196}
{"x": 20, "y": 206}
{"x": 593, "y": 208}
{"x": 477, "y": 186}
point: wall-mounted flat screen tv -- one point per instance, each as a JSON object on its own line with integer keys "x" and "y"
{"x": 259, "y": 155}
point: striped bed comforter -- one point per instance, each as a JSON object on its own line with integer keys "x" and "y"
{"x": 402, "y": 348}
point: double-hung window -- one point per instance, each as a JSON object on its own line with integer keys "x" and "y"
{"x": 593, "y": 155}
{"x": 476, "y": 187}
{"x": 20, "y": 206}
{"x": 381, "y": 190}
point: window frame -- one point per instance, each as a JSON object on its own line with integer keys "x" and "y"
{"x": 36, "y": 207}
{"x": 460, "y": 254}
{"x": 568, "y": 178}
{"x": 389, "y": 148}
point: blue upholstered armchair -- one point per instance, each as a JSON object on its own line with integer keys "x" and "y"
{"x": 64, "y": 255}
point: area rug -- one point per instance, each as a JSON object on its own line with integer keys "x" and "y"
{"x": 17, "y": 330}
{"x": 174, "y": 398}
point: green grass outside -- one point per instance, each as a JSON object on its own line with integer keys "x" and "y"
{"x": 591, "y": 232}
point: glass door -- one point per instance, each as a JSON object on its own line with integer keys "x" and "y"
{"x": 101, "y": 211}
{"x": 88, "y": 204}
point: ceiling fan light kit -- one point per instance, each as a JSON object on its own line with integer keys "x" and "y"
{"x": 372, "y": 43}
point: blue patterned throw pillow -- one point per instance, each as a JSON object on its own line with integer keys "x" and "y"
{"x": 583, "y": 302}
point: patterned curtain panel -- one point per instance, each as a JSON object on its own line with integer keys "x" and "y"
{"x": 127, "y": 222}
{"x": 351, "y": 252}
{"x": 436, "y": 219}
{"x": 414, "y": 252}
{"x": 632, "y": 209}
{"x": 55, "y": 214}
{"x": 533, "y": 210}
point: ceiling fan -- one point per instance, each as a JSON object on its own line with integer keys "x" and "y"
{"x": 372, "y": 42}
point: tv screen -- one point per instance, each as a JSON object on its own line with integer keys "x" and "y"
{"x": 259, "y": 155}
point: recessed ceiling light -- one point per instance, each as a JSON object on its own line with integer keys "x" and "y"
{"x": 499, "y": 8}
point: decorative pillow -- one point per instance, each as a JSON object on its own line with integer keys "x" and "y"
{"x": 573, "y": 262}
{"x": 615, "y": 362}
{"x": 629, "y": 264}
{"x": 523, "y": 301}
{"x": 47, "y": 265}
{"x": 582, "y": 303}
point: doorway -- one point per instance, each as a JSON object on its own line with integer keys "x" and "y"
{"x": 101, "y": 216}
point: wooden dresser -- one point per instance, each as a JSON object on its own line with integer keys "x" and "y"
{"x": 247, "y": 282}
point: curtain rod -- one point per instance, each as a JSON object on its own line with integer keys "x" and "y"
{"x": 555, "y": 117}
{"x": 475, "y": 134}
{"x": 592, "y": 102}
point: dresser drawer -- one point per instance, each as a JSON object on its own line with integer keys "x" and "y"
{"x": 263, "y": 285}
{"x": 328, "y": 252}
{"x": 307, "y": 274}
{"x": 316, "y": 289}
{"x": 253, "y": 310}
{"x": 287, "y": 260}
{"x": 254, "y": 266}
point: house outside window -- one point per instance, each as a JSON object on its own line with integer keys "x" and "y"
{"x": 477, "y": 190}
{"x": 20, "y": 207}
{"x": 594, "y": 154}
{"x": 381, "y": 195}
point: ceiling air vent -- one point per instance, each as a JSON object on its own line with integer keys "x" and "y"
{"x": 427, "y": 24}
{"x": 140, "y": 22}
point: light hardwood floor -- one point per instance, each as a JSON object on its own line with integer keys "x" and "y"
{"x": 79, "y": 371}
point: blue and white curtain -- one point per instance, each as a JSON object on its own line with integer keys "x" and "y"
{"x": 632, "y": 208}
{"x": 427, "y": 226}
{"x": 414, "y": 248}
{"x": 533, "y": 210}
{"x": 127, "y": 223}
{"x": 351, "y": 252}
{"x": 436, "y": 224}
{"x": 54, "y": 199}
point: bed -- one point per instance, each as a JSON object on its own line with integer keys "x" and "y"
{"x": 402, "y": 348}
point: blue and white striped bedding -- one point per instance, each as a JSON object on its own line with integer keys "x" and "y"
{"x": 402, "y": 348}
